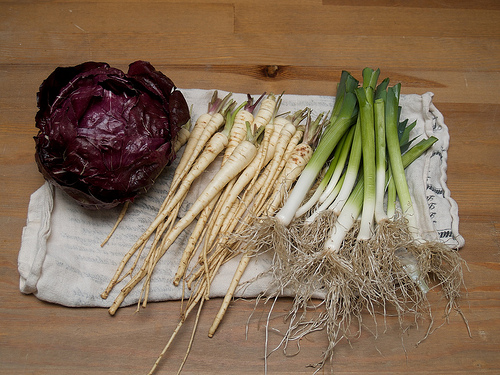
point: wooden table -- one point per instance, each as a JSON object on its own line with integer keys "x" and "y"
{"x": 451, "y": 48}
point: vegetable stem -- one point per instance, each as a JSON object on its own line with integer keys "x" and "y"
{"x": 380, "y": 159}
{"x": 332, "y": 135}
{"x": 365, "y": 98}
{"x": 394, "y": 151}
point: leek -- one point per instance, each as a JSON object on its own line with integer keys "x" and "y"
{"x": 334, "y": 132}
{"x": 394, "y": 152}
{"x": 365, "y": 97}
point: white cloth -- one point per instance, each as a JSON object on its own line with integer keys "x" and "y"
{"x": 61, "y": 260}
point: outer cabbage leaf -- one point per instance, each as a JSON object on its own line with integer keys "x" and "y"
{"x": 105, "y": 136}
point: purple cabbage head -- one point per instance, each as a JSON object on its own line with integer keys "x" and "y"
{"x": 105, "y": 136}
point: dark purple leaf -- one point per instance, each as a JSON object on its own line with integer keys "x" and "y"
{"x": 104, "y": 136}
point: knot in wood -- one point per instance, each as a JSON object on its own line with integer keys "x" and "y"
{"x": 271, "y": 71}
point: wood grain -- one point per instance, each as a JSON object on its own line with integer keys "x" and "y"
{"x": 449, "y": 47}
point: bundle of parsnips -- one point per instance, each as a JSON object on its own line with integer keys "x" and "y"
{"x": 262, "y": 153}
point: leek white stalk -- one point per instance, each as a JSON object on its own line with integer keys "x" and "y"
{"x": 343, "y": 152}
{"x": 348, "y": 178}
{"x": 365, "y": 97}
{"x": 394, "y": 152}
{"x": 351, "y": 173}
{"x": 330, "y": 184}
{"x": 380, "y": 159}
{"x": 331, "y": 137}
{"x": 391, "y": 195}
